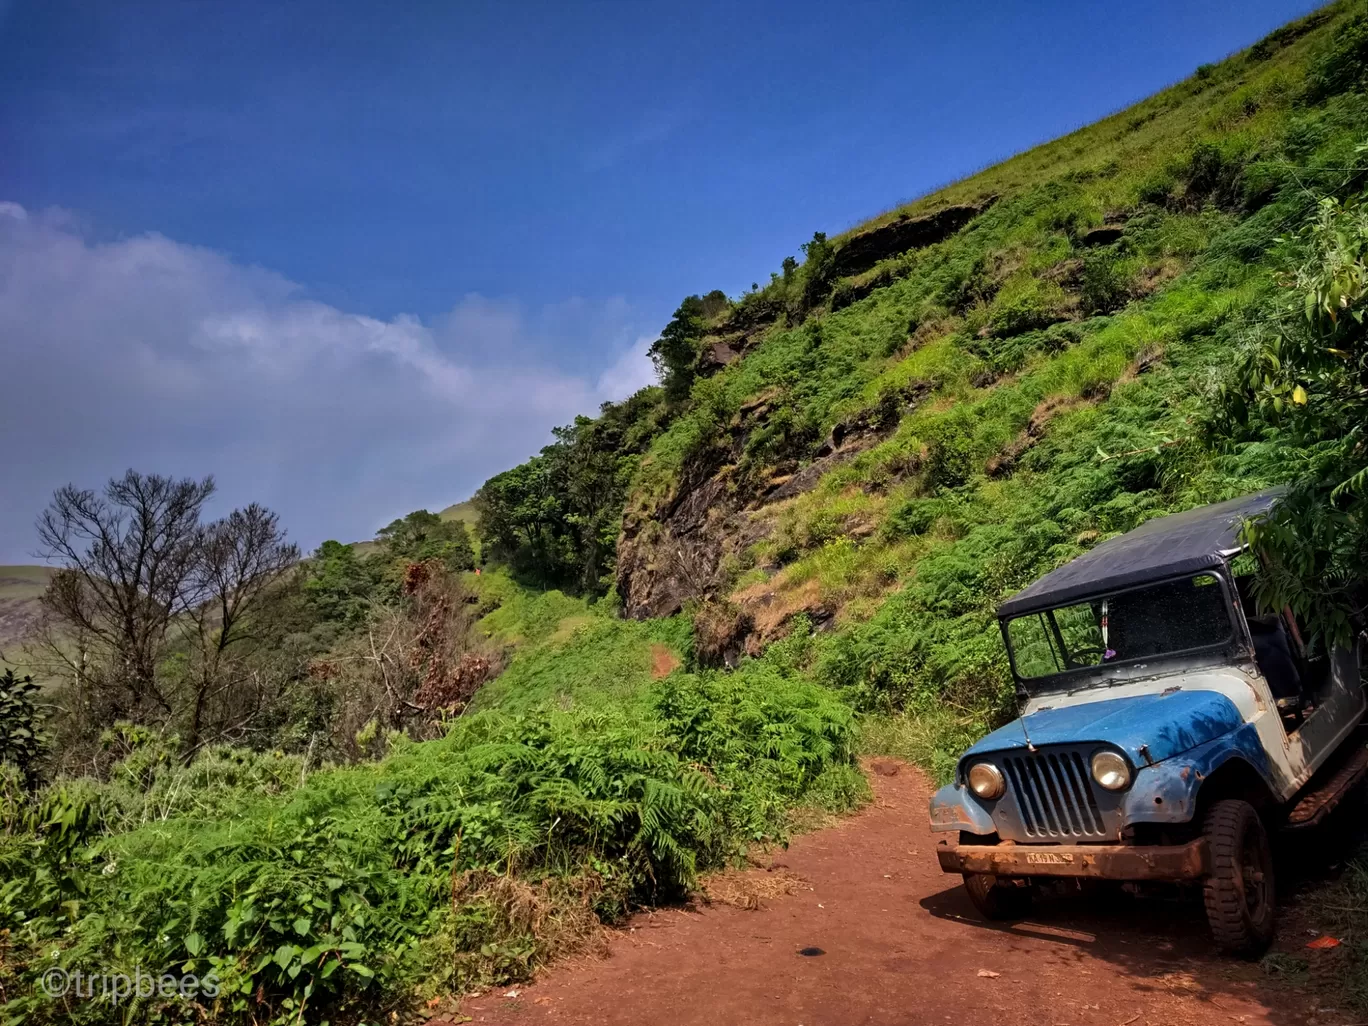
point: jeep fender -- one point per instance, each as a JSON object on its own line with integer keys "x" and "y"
{"x": 1171, "y": 791}
{"x": 953, "y": 809}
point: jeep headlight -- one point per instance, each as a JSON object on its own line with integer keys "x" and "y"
{"x": 1111, "y": 771}
{"x": 986, "y": 780}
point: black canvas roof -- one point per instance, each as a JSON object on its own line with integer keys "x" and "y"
{"x": 1163, "y": 547}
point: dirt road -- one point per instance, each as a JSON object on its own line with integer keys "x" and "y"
{"x": 900, "y": 944}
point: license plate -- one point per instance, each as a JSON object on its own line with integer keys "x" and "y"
{"x": 1047, "y": 858}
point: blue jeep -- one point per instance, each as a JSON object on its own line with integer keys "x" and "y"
{"x": 1165, "y": 730}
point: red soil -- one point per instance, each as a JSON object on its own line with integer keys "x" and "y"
{"x": 901, "y": 944}
{"x": 663, "y": 662}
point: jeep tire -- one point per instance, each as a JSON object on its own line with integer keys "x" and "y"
{"x": 998, "y": 898}
{"x": 1239, "y": 892}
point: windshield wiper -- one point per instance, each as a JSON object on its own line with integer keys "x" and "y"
{"x": 1099, "y": 682}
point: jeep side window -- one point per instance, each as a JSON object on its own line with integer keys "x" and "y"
{"x": 1068, "y": 638}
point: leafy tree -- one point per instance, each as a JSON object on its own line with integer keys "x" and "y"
{"x": 522, "y": 517}
{"x": 818, "y": 270}
{"x": 338, "y": 584}
{"x": 592, "y": 466}
{"x": 422, "y": 535}
{"x": 715, "y": 303}
{"x": 1308, "y": 377}
{"x": 556, "y": 517}
{"x": 676, "y": 350}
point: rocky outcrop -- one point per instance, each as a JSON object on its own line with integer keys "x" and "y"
{"x": 678, "y": 550}
{"x": 1102, "y": 235}
{"x": 865, "y": 249}
{"x": 719, "y": 352}
{"x": 849, "y": 291}
{"x": 671, "y": 555}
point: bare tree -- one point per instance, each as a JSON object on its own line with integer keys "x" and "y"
{"x": 129, "y": 560}
{"x": 238, "y": 558}
{"x": 142, "y": 579}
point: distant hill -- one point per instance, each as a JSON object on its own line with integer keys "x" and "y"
{"x": 20, "y": 588}
{"x": 462, "y": 511}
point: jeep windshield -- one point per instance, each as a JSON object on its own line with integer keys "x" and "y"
{"x": 1081, "y": 640}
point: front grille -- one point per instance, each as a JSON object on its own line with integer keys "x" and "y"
{"x": 1054, "y": 794}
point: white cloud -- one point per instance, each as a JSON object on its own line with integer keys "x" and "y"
{"x": 632, "y": 371}
{"x": 154, "y": 354}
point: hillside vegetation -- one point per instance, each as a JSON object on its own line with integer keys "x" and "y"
{"x": 695, "y": 608}
{"x": 935, "y": 407}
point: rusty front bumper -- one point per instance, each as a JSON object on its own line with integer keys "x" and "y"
{"x": 1190, "y": 861}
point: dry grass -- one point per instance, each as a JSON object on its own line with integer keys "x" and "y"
{"x": 546, "y": 920}
{"x": 748, "y": 888}
{"x": 20, "y": 589}
{"x": 771, "y": 604}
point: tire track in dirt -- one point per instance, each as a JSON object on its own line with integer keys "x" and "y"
{"x": 901, "y": 944}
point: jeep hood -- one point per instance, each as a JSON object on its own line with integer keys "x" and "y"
{"x": 1165, "y": 724}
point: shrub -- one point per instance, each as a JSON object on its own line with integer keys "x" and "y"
{"x": 950, "y": 456}
{"x": 333, "y": 896}
{"x": 1105, "y": 286}
{"x": 23, "y": 741}
{"x": 912, "y": 517}
{"x": 1342, "y": 65}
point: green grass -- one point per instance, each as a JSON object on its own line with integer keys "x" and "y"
{"x": 933, "y": 739}
{"x": 570, "y": 653}
{"x": 465, "y": 512}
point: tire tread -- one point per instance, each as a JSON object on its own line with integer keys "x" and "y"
{"x": 1234, "y": 932}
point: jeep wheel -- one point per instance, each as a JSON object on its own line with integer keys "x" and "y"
{"x": 1239, "y": 891}
{"x": 998, "y": 898}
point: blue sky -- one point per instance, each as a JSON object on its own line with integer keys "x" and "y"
{"x": 354, "y": 257}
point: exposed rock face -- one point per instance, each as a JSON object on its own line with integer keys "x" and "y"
{"x": 676, "y": 552}
{"x": 719, "y": 353}
{"x": 851, "y": 290}
{"x": 1102, "y": 235}
{"x": 861, "y": 252}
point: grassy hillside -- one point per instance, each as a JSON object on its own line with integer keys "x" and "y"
{"x": 590, "y": 778}
{"x": 937, "y": 406}
{"x": 20, "y": 587}
{"x": 465, "y": 512}
{"x": 883, "y": 442}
